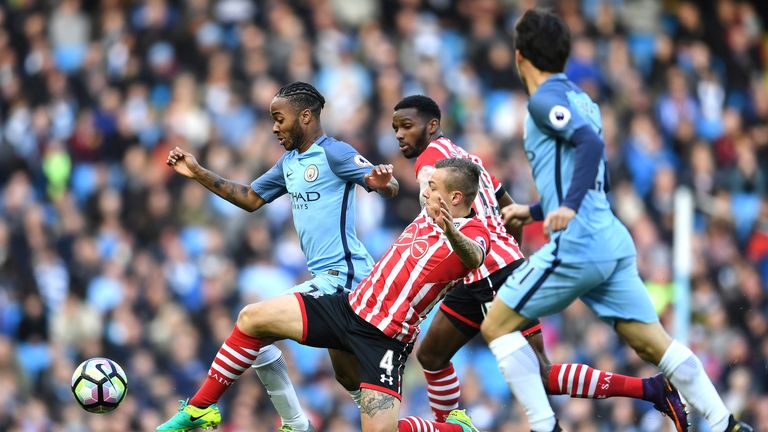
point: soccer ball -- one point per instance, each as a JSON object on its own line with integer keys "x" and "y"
{"x": 99, "y": 385}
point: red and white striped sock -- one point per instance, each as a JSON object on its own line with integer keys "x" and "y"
{"x": 416, "y": 424}
{"x": 235, "y": 356}
{"x": 581, "y": 381}
{"x": 443, "y": 391}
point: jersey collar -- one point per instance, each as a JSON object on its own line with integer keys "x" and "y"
{"x": 320, "y": 139}
{"x": 554, "y": 77}
{"x": 311, "y": 148}
{"x": 557, "y": 77}
{"x": 462, "y": 220}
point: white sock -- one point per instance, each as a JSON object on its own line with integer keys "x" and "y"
{"x": 520, "y": 367}
{"x": 273, "y": 373}
{"x": 686, "y": 372}
{"x": 356, "y": 396}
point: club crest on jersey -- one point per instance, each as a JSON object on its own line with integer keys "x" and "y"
{"x": 311, "y": 173}
{"x": 407, "y": 237}
{"x": 559, "y": 116}
{"x": 361, "y": 161}
{"x": 419, "y": 248}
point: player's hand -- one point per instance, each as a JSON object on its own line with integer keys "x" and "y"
{"x": 557, "y": 220}
{"x": 440, "y": 214}
{"x": 182, "y": 162}
{"x": 516, "y": 215}
{"x": 380, "y": 176}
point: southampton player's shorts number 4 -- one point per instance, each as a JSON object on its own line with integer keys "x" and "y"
{"x": 387, "y": 366}
{"x": 386, "y": 362}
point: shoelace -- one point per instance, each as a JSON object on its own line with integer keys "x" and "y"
{"x": 183, "y": 404}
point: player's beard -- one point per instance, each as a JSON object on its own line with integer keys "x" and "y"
{"x": 418, "y": 147}
{"x": 424, "y": 141}
{"x": 295, "y": 135}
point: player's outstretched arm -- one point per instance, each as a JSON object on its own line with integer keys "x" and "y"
{"x": 382, "y": 180}
{"x": 238, "y": 194}
{"x": 517, "y": 215}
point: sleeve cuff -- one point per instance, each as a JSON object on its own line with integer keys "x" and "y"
{"x": 571, "y": 204}
{"x": 537, "y": 213}
{"x": 500, "y": 191}
{"x": 364, "y": 184}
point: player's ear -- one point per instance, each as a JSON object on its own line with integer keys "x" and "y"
{"x": 306, "y": 116}
{"x": 457, "y": 197}
{"x": 433, "y": 126}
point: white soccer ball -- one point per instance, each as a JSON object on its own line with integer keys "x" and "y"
{"x": 99, "y": 385}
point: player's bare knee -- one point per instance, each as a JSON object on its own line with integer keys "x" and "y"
{"x": 648, "y": 349}
{"x": 649, "y": 341}
{"x": 645, "y": 351}
{"x": 652, "y": 353}
{"x": 491, "y": 330}
{"x": 251, "y": 318}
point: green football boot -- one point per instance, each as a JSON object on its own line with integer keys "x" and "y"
{"x": 191, "y": 417}
{"x": 460, "y": 417}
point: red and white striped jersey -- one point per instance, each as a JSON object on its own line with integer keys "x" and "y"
{"x": 504, "y": 247}
{"x": 413, "y": 275}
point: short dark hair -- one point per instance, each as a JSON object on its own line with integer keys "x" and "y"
{"x": 543, "y": 38}
{"x": 465, "y": 177}
{"x": 303, "y": 96}
{"x": 423, "y": 105}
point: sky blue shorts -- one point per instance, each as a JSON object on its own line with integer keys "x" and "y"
{"x": 612, "y": 289}
{"x": 323, "y": 283}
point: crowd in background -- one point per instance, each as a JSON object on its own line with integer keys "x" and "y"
{"x": 104, "y": 251}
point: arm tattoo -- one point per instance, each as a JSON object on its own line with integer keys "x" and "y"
{"x": 236, "y": 193}
{"x": 391, "y": 190}
{"x": 468, "y": 251}
{"x": 374, "y": 402}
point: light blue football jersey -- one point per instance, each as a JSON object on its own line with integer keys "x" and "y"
{"x": 321, "y": 183}
{"x": 555, "y": 111}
